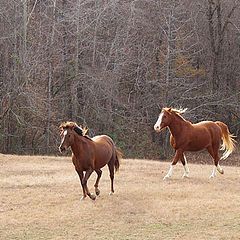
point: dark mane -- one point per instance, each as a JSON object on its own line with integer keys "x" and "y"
{"x": 78, "y": 130}
{"x": 81, "y": 132}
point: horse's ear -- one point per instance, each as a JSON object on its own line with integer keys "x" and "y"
{"x": 169, "y": 109}
{"x": 61, "y": 127}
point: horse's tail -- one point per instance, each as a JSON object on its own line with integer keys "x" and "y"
{"x": 228, "y": 144}
{"x": 117, "y": 159}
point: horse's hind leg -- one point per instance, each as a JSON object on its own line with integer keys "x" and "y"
{"x": 185, "y": 165}
{"x": 215, "y": 155}
{"x": 216, "y": 162}
{"x": 111, "y": 171}
{"x": 99, "y": 174}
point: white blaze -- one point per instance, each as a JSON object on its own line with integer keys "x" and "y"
{"x": 159, "y": 121}
{"x": 64, "y": 134}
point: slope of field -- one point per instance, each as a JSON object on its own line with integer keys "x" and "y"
{"x": 40, "y": 199}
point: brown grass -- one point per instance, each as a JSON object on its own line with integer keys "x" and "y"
{"x": 39, "y": 199}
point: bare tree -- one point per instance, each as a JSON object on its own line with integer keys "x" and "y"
{"x": 111, "y": 65}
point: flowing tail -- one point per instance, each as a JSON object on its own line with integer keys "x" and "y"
{"x": 117, "y": 160}
{"x": 228, "y": 144}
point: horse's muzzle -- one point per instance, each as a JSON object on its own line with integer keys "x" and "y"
{"x": 158, "y": 129}
{"x": 62, "y": 149}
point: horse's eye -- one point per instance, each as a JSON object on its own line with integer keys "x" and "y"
{"x": 69, "y": 135}
{"x": 164, "y": 117}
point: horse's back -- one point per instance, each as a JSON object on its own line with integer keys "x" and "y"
{"x": 210, "y": 126}
{"x": 102, "y": 139}
{"x": 204, "y": 123}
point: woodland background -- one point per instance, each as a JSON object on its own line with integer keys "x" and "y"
{"x": 111, "y": 65}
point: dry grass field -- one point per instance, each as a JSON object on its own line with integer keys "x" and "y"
{"x": 39, "y": 199}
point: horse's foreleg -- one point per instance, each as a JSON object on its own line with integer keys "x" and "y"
{"x": 80, "y": 174}
{"x": 85, "y": 179}
{"x": 175, "y": 160}
{"x": 99, "y": 174}
{"x": 185, "y": 165}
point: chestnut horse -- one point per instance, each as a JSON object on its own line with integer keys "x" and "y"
{"x": 186, "y": 136}
{"x": 89, "y": 154}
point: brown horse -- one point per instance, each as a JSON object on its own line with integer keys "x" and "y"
{"x": 89, "y": 154}
{"x": 186, "y": 136}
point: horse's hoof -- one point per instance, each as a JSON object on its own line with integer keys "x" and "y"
{"x": 165, "y": 178}
{"x": 82, "y": 198}
{"x": 185, "y": 176}
{"x": 212, "y": 176}
{"x": 98, "y": 192}
{"x": 93, "y": 197}
{"x": 111, "y": 193}
{"x": 222, "y": 172}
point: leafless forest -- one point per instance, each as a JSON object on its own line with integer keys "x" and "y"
{"x": 111, "y": 65}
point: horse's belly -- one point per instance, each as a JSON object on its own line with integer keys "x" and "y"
{"x": 102, "y": 159}
{"x": 100, "y": 164}
{"x": 197, "y": 144}
{"x": 194, "y": 148}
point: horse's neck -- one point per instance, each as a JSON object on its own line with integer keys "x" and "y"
{"x": 177, "y": 125}
{"x": 76, "y": 145}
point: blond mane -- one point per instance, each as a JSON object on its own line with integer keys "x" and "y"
{"x": 66, "y": 125}
{"x": 174, "y": 110}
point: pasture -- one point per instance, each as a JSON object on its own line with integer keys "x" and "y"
{"x": 39, "y": 199}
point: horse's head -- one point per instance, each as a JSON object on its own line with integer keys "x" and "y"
{"x": 164, "y": 119}
{"x": 67, "y": 135}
